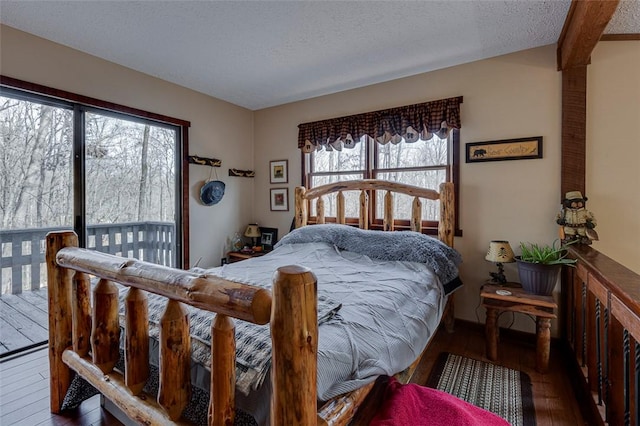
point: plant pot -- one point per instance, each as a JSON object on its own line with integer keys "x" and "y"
{"x": 537, "y": 278}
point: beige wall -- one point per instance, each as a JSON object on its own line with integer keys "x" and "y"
{"x": 613, "y": 149}
{"x": 511, "y": 96}
{"x": 214, "y": 125}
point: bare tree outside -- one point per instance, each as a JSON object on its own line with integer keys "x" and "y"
{"x": 421, "y": 163}
{"x": 130, "y": 164}
{"x": 130, "y": 171}
{"x": 343, "y": 164}
{"x": 35, "y": 159}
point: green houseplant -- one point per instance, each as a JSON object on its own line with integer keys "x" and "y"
{"x": 539, "y": 266}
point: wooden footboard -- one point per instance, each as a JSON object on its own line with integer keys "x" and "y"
{"x": 86, "y": 340}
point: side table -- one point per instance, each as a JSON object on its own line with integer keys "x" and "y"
{"x": 543, "y": 307}
{"x": 237, "y": 256}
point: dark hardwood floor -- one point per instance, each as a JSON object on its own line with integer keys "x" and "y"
{"x": 553, "y": 393}
{"x": 24, "y": 396}
{"x": 24, "y": 382}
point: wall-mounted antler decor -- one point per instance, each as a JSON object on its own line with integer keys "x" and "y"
{"x": 203, "y": 161}
{"x": 242, "y": 173}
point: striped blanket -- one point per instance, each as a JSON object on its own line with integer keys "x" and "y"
{"x": 253, "y": 342}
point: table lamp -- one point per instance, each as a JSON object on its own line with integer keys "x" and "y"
{"x": 499, "y": 252}
{"x": 252, "y": 232}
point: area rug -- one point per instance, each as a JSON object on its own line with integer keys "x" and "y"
{"x": 501, "y": 390}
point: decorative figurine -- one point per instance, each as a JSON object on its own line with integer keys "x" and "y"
{"x": 576, "y": 222}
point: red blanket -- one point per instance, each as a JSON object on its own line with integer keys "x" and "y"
{"x": 417, "y": 405}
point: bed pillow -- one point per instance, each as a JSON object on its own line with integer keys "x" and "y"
{"x": 401, "y": 245}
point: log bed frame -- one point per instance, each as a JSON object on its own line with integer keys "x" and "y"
{"x": 86, "y": 340}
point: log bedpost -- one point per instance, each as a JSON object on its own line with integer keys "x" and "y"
{"x": 222, "y": 407}
{"x": 136, "y": 340}
{"x": 105, "y": 331}
{"x": 446, "y": 225}
{"x": 59, "y": 285}
{"x": 446, "y": 232}
{"x": 174, "y": 391}
{"x": 294, "y": 332}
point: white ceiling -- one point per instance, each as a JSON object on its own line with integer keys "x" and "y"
{"x": 258, "y": 54}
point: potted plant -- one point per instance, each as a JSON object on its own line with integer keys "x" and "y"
{"x": 539, "y": 266}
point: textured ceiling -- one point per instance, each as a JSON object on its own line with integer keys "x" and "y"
{"x": 626, "y": 20}
{"x": 258, "y": 54}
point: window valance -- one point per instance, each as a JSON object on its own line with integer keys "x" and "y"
{"x": 411, "y": 122}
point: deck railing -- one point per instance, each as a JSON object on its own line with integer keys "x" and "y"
{"x": 602, "y": 329}
{"x": 23, "y": 250}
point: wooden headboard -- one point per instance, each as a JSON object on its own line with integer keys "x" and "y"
{"x": 365, "y": 186}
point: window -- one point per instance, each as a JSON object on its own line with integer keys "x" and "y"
{"x": 414, "y": 144}
{"x": 423, "y": 163}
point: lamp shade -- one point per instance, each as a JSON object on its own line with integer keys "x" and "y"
{"x": 252, "y": 231}
{"x": 500, "y": 252}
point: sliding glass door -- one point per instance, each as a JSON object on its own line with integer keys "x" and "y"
{"x": 113, "y": 178}
{"x": 130, "y": 175}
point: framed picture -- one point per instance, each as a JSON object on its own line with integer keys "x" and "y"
{"x": 280, "y": 199}
{"x": 278, "y": 171}
{"x": 507, "y": 149}
{"x": 269, "y": 238}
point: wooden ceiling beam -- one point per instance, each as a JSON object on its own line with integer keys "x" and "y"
{"x": 585, "y": 23}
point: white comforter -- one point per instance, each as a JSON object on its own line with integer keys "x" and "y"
{"x": 390, "y": 310}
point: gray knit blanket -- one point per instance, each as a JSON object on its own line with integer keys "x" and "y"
{"x": 393, "y": 246}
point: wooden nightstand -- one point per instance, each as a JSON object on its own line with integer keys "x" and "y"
{"x": 543, "y": 307}
{"x": 237, "y": 256}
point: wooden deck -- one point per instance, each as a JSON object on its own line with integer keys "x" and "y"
{"x": 23, "y": 320}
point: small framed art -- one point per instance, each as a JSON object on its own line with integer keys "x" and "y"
{"x": 507, "y": 149}
{"x": 268, "y": 238}
{"x": 280, "y": 199}
{"x": 278, "y": 171}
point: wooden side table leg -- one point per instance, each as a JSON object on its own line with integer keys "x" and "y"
{"x": 543, "y": 346}
{"x": 491, "y": 333}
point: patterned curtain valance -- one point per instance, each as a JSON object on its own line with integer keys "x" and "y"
{"x": 411, "y": 122}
